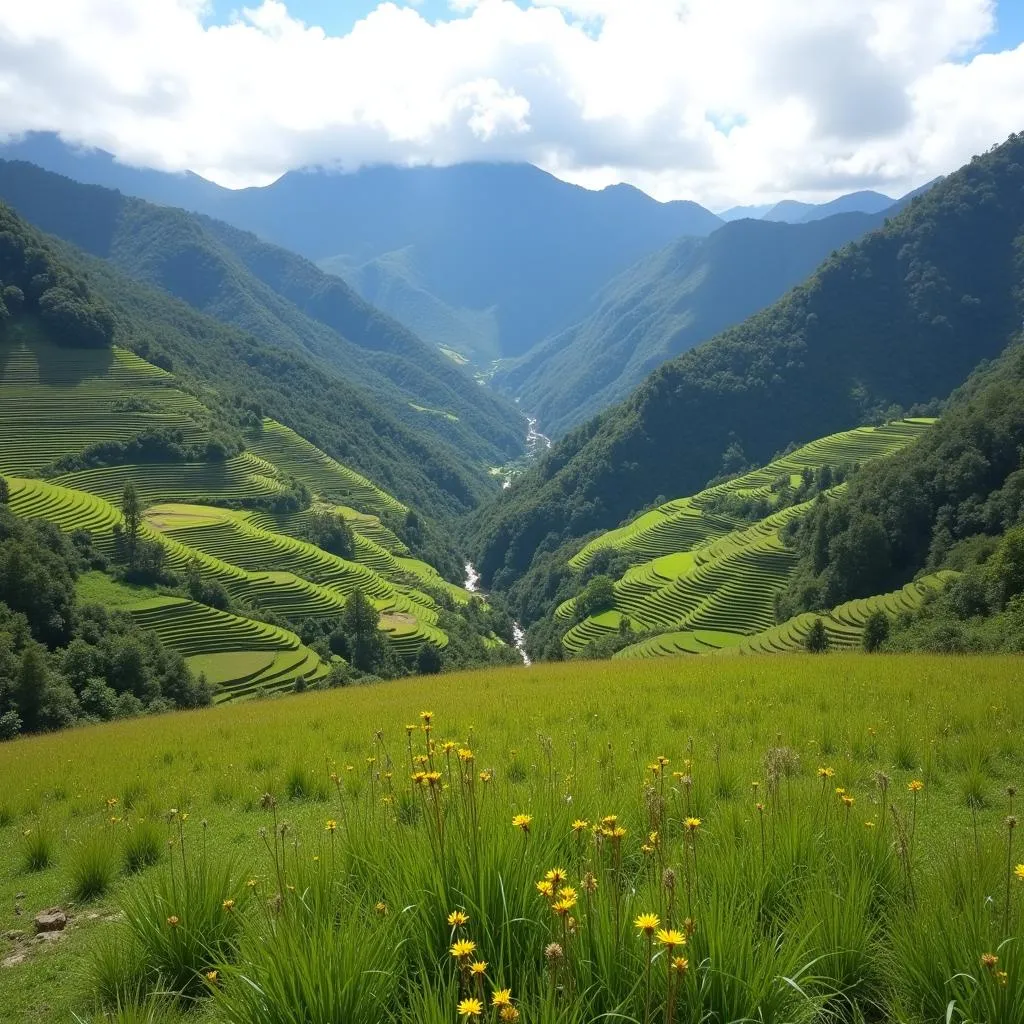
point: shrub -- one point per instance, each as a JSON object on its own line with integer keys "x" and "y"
{"x": 186, "y": 920}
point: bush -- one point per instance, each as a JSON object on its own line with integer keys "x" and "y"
{"x": 876, "y": 631}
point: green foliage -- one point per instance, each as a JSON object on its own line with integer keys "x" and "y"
{"x": 142, "y": 845}
{"x": 876, "y": 631}
{"x": 35, "y": 282}
{"x": 428, "y": 661}
{"x": 37, "y": 849}
{"x": 817, "y": 638}
{"x": 186, "y": 920}
{"x": 944, "y": 501}
{"x": 62, "y": 662}
{"x": 312, "y": 968}
{"x": 902, "y": 316}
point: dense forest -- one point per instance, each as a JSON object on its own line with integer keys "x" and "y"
{"x": 899, "y": 318}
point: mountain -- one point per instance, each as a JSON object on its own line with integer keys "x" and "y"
{"x": 665, "y": 305}
{"x": 503, "y": 237}
{"x": 286, "y": 300}
{"x": 855, "y": 202}
{"x": 245, "y": 378}
{"x": 793, "y": 212}
{"x": 394, "y": 282}
{"x": 901, "y": 316}
{"x": 741, "y": 212}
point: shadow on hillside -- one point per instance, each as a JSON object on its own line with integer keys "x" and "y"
{"x": 27, "y": 347}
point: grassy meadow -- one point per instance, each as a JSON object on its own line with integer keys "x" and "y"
{"x": 704, "y": 840}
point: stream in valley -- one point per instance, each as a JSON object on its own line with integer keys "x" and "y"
{"x": 472, "y": 584}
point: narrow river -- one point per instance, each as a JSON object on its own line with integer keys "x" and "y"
{"x": 472, "y": 584}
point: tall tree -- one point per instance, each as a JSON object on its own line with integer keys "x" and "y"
{"x": 5, "y": 491}
{"x": 131, "y": 509}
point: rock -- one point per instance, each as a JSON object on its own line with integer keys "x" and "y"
{"x": 13, "y": 960}
{"x": 52, "y": 920}
{"x": 14, "y": 936}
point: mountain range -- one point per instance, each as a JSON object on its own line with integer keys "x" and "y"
{"x": 510, "y": 244}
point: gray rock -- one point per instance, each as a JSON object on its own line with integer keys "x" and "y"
{"x": 52, "y": 920}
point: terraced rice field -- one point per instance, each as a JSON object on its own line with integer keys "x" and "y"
{"x": 709, "y": 580}
{"x": 240, "y": 656}
{"x": 68, "y": 399}
{"x": 238, "y": 480}
{"x": 845, "y": 623}
{"x": 686, "y": 523}
{"x": 324, "y": 476}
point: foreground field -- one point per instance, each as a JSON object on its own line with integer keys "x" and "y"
{"x": 820, "y": 839}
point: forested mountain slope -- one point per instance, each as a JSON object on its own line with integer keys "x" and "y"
{"x": 665, "y": 305}
{"x": 902, "y": 316}
{"x": 278, "y": 296}
{"x": 507, "y": 238}
{"x": 942, "y": 503}
{"x": 254, "y": 379}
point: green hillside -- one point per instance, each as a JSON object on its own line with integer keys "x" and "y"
{"x": 229, "y": 510}
{"x": 668, "y": 303}
{"x": 282, "y": 299}
{"x": 709, "y": 568}
{"x": 897, "y": 319}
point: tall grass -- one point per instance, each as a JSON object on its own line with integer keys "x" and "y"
{"x": 791, "y": 885}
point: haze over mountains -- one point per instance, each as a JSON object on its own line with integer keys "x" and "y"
{"x": 486, "y": 260}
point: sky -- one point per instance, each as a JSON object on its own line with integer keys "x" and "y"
{"x": 721, "y": 101}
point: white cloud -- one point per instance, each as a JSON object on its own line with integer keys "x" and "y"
{"x": 719, "y": 100}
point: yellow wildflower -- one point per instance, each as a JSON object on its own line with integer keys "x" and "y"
{"x": 579, "y": 825}
{"x": 647, "y": 923}
{"x": 470, "y": 1008}
{"x": 670, "y": 938}
{"x": 692, "y": 824}
{"x": 463, "y": 949}
{"x": 502, "y": 997}
{"x": 915, "y": 786}
{"x": 522, "y": 822}
{"x": 457, "y": 918}
{"x": 478, "y": 967}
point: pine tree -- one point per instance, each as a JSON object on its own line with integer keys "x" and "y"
{"x": 5, "y": 491}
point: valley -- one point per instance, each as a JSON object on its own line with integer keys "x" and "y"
{"x": 442, "y": 589}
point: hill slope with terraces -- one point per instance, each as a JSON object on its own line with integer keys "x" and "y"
{"x": 709, "y": 567}
{"x": 234, "y": 519}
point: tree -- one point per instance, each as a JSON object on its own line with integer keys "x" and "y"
{"x": 30, "y": 688}
{"x": 359, "y": 621}
{"x": 1006, "y": 568}
{"x": 598, "y": 596}
{"x": 131, "y": 509}
{"x": 5, "y": 491}
{"x": 428, "y": 660}
{"x": 817, "y": 639}
{"x": 876, "y": 631}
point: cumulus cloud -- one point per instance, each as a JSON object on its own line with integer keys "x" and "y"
{"x": 718, "y": 100}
